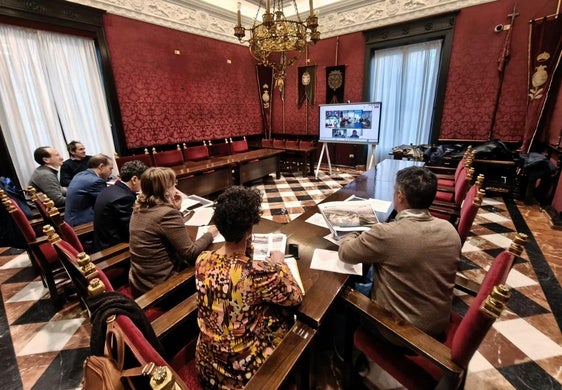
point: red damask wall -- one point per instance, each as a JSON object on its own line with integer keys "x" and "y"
{"x": 473, "y": 75}
{"x": 303, "y": 121}
{"x": 166, "y": 98}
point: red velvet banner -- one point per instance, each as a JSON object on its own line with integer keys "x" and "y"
{"x": 265, "y": 84}
{"x": 544, "y": 58}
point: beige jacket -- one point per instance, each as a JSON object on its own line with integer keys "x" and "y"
{"x": 415, "y": 261}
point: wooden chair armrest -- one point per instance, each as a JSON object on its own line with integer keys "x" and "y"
{"x": 110, "y": 252}
{"x": 37, "y": 222}
{"x": 158, "y": 293}
{"x": 445, "y": 176}
{"x": 437, "y": 169}
{"x": 85, "y": 228}
{"x": 412, "y": 337}
{"x": 113, "y": 261}
{"x": 38, "y": 241}
{"x": 445, "y": 205}
{"x": 466, "y": 285}
{"x": 170, "y": 319}
{"x": 446, "y": 189}
{"x": 279, "y": 365}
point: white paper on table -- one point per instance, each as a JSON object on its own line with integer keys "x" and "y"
{"x": 326, "y": 260}
{"x": 201, "y": 216}
{"x": 380, "y": 205}
{"x": 293, "y": 267}
{"x": 204, "y": 229}
{"x": 318, "y": 220}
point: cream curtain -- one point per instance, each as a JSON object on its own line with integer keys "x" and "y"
{"x": 404, "y": 79}
{"x": 51, "y": 93}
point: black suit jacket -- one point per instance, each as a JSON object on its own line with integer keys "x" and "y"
{"x": 112, "y": 213}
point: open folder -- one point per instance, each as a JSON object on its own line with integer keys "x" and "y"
{"x": 348, "y": 216}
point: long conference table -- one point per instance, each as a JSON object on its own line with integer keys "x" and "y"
{"x": 322, "y": 287}
{"x": 218, "y": 173}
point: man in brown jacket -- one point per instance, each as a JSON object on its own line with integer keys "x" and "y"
{"x": 415, "y": 257}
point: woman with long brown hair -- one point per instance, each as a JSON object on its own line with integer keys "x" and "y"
{"x": 159, "y": 243}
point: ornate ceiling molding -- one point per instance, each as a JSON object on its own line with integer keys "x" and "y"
{"x": 339, "y": 18}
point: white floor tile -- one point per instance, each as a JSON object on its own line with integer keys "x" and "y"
{"x": 516, "y": 279}
{"x": 468, "y": 247}
{"x": 293, "y": 204}
{"x": 52, "y": 337}
{"x": 479, "y": 363}
{"x": 32, "y": 292}
{"x": 20, "y": 261}
{"x": 494, "y": 217}
{"x": 491, "y": 202}
{"x": 498, "y": 239}
{"x": 528, "y": 339}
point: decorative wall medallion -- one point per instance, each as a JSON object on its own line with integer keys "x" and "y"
{"x": 335, "y": 79}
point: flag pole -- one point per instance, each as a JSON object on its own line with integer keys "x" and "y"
{"x": 502, "y": 62}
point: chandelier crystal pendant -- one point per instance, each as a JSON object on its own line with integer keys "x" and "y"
{"x": 276, "y": 35}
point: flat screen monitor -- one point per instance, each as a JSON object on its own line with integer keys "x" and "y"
{"x": 350, "y": 122}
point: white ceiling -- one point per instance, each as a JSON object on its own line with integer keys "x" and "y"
{"x": 216, "y": 18}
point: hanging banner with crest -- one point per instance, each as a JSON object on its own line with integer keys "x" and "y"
{"x": 307, "y": 82}
{"x": 265, "y": 83}
{"x": 335, "y": 82}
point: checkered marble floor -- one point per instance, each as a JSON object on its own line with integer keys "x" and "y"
{"x": 291, "y": 195}
{"x": 44, "y": 349}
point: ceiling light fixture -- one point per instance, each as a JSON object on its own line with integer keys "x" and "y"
{"x": 271, "y": 40}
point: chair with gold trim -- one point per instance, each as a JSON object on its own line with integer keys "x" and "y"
{"x": 146, "y": 158}
{"x": 424, "y": 362}
{"x": 168, "y": 158}
{"x": 43, "y": 257}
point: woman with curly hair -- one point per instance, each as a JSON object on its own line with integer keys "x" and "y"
{"x": 240, "y": 300}
{"x": 159, "y": 243}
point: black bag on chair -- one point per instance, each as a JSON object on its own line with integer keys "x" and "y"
{"x": 104, "y": 368}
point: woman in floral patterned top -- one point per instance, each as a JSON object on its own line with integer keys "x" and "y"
{"x": 240, "y": 300}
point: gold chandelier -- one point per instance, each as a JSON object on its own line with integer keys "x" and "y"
{"x": 278, "y": 35}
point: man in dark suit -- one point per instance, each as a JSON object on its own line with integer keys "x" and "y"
{"x": 77, "y": 162}
{"x": 85, "y": 188}
{"x": 114, "y": 205}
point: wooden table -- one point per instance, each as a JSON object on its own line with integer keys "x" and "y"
{"x": 216, "y": 174}
{"x": 306, "y": 156}
{"x": 322, "y": 287}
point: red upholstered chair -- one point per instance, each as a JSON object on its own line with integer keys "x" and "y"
{"x": 146, "y": 158}
{"x": 306, "y": 144}
{"x": 431, "y": 363}
{"x": 195, "y": 153}
{"x": 82, "y": 271}
{"x": 464, "y": 219}
{"x": 445, "y": 175}
{"x": 453, "y": 198}
{"x": 278, "y": 144}
{"x": 43, "y": 257}
{"x": 181, "y": 364}
{"x": 39, "y": 199}
{"x": 266, "y": 143}
{"x": 291, "y": 143}
{"x": 239, "y": 146}
{"x": 219, "y": 149}
{"x": 169, "y": 158}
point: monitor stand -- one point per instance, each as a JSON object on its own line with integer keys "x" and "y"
{"x": 324, "y": 149}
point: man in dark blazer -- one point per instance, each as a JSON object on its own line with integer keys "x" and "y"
{"x": 85, "y": 188}
{"x": 114, "y": 205}
{"x": 77, "y": 162}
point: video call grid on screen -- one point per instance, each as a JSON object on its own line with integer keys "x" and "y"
{"x": 350, "y": 122}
